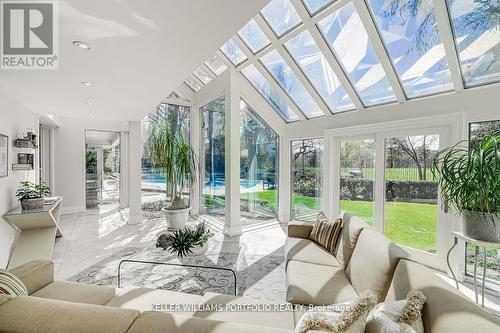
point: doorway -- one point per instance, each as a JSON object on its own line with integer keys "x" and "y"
{"x": 102, "y": 168}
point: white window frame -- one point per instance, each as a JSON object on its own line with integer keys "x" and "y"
{"x": 450, "y": 130}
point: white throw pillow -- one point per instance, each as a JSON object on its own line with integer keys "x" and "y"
{"x": 348, "y": 317}
{"x": 404, "y": 316}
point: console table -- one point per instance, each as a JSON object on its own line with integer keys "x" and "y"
{"x": 38, "y": 229}
{"x": 477, "y": 245}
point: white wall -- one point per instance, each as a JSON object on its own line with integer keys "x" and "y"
{"x": 14, "y": 119}
{"x": 69, "y": 166}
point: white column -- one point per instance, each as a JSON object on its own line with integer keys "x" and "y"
{"x": 134, "y": 163}
{"x": 232, "y": 160}
{"x": 284, "y": 180}
{"x": 124, "y": 169}
{"x": 195, "y": 143}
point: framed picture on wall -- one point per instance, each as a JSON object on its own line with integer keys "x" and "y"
{"x": 4, "y": 155}
{"x": 482, "y": 128}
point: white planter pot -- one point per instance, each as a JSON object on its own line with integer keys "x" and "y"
{"x": 198, "y": 250}
{"x": 176, "y": 218}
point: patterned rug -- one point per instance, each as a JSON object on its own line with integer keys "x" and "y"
{"x": 261, "y": 277}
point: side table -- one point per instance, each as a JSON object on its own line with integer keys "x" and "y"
{"x": 477, "y": 245}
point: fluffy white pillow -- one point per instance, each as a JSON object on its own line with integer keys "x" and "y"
{"x": 404, "y": 316}
{"x": 349, "y": 317}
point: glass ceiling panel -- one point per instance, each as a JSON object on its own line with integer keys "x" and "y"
{"x": 411, "y": 36}
{"x": 202, "y": 75}
{"x": 253, "y": 36}
{"x": 314, "y": 5}
{"x": 346, "y": 35}
{"x": 271, "y": 95}
{"x": 287, "y": 79}
{"x": 216, "y": 65}
{"x": 193, "y": 84}
{"x": 476, "y": 26}
{"x": 317, "y": 69}
{"x": 281, "y": 16}
{"x": 233, "y": 52}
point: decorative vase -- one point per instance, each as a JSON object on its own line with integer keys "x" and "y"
{"x": 482, "y": 226}
{"x": 176, "y": 218}
{"x": 28, "y": 204}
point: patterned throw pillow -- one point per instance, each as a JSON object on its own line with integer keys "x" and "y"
{"x": 404, "y": 316}
{"x": 326, "y": 233}
{"x": 348, "y": 317}
{"x": 11, "y": 285}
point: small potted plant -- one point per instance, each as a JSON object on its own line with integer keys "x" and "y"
{"x": 186, "y": 240}
{"x": 469, "y": 176}
{"x": 31, "y": 195}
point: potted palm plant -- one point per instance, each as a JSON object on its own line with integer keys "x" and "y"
{"x": 31, "y": 195}
{"x": 469, "y": 177}
{"x": 168, "y": 150}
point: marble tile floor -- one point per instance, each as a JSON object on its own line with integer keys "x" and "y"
{"x": 97, "y": 234}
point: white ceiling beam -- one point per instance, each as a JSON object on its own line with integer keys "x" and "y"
{"x": 379, "y": 47}
{"x": 327, "y": 53}
{"x": 252, "y": 59}
{"x": 445, "y": 29}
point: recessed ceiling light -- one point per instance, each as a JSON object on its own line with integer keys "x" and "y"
{"x": 90, "y": 103}
{"x": 91, "y": 114}
{"x": 86, "y": 84}
{"x": 81, "y": 45}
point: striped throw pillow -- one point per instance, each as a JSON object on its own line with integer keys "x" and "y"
{"x": 326, "y": 233}
{"x": 11, "y": 285}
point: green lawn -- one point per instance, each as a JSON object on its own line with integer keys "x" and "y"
{"x": 410, "y": 224}
{"x": 393, "y": 173}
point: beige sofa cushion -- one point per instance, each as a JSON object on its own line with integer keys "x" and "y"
{"x": 33, "y": 314}
{"x": 351, "y": 228}
{"x": 317, "y": 284}
{"x": 158, "y": 322}
{"x": 76, "y": 292}
{"x": 446, "y": 310}
{"x": 35, "y": 274}
{"x": 278, "y": 318}
{"x": 305, "y": 250}
{"x": 144, "y": 299}
{"x": 5, "y": 298}
{"x": 373, "y": 263}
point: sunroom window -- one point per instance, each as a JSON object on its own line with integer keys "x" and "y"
{"x": 280, "y": 70}
{"x": 216, "y": 65}
{"x": 202, "y": 75}
{"x": 271, "y": 95}
{"x": 347, "y": 37}
{"x": 281, "y": 16}
{"x": 193, "y": 84}
{"x": 233, "y": 52}
{"x": 412, "y": 38}
{"x": 253, "y": 36}
{"x": 314, "y": 6}
{"x": 476, "y": 26}
{"x": 317, "y": 69}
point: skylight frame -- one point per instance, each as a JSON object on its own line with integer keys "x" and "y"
{"x": 342, "y": 65}
{"x": 333, "y": 110}
{"x": 450, "y": 86}
{"x": 280, "y": 93}
{"x": 247, "y": 43}
{"x": 286, "y": 31}
{"x": 232, "y": 39}
{"x": 205, "y": 70}
{"x": 457, "y": 52}
{"x": 317, "y": 11}
{"x": 216, "y": 72}
{"x": 292, "y": 98}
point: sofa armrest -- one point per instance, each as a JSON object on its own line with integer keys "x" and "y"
{"x": 35, "y": 274}
{"x": 299, "y": 229}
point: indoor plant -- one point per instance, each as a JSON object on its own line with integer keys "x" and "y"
{"x": 167, "y": 149}
{"x": 31, "y": 195}
{"x": 469, "y": 177}
{"x": 186, "y": 240}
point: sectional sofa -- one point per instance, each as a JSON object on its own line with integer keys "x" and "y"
{"x": 365, "y": 259}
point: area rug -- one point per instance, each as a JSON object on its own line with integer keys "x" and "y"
{"x": 261, "y": 277}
